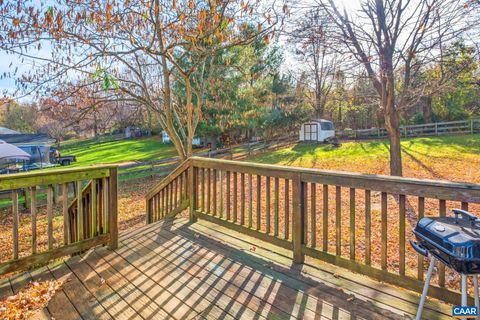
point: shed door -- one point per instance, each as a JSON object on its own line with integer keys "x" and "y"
{"x": 311, "y": 132}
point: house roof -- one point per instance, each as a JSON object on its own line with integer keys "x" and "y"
{"x": 4, "y": 130}
{"x": 27, "y": 139}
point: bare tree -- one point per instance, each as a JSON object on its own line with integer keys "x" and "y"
{"x": 313, "y": 49}
{"x": 393, "y": 40}
{"x": 138, "y": 50}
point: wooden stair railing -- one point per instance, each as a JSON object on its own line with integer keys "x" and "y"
{"x": 88, "y": 221}
{"x": 170, "y": 196}
{"x": 94, "y": 211}
{"x": 360, "y": 222}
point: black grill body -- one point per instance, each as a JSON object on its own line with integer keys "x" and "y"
{"x": 456, "y": 242}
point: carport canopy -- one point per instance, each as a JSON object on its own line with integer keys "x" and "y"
{"x": 9, "y": 151}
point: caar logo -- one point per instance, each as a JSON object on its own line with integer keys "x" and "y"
{"x": 464, "y": 312}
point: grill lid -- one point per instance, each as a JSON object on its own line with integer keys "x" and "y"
{"x": 460, "y": 240}
{"x": 456, "y": 242}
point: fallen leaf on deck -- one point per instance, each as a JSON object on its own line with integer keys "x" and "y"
{"x": 33, "y": 297}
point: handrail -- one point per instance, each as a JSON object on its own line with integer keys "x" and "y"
{"x": 88, "y": 220}
{"x": 178, "y": 170}
{"x": 26, "y": 179}
{"x": 355, "y": 221}
{"x": 392, "y": 184}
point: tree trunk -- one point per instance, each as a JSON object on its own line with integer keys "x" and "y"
{"x": 318, "y": 104}
{"x": 426, "y": 104}
{"x": 169, "y": 126}
{"x": 149, "y": 121}
{"x": 190, "y": 129}
{"x": 392, "y": 124}
{"x": 95, "y": 124}
{"x": 395, "y": 152}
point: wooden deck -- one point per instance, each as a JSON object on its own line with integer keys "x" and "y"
{"x": 176, "y": 270}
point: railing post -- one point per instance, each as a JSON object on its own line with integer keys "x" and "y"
{"x": 148, "y": 211}
{"x": 192, "y": 192}
{"x": 298, "y": 226}
{"x": 113, "y": 208}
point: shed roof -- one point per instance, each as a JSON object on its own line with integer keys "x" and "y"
{"x": 320, "y": 120}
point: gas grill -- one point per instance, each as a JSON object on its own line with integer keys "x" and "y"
{"x": 454, "y": 242}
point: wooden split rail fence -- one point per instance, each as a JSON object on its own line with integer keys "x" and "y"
{"x": 80, "y": 222}
{"x": 418, "y": 130}
{"x": 356, "y": 221}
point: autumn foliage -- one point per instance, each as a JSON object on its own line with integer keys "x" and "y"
{"x": 137, "y": 51}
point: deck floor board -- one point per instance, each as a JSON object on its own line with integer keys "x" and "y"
{"x": 260, "y": 291}
{"x": 177, "y": 270}
{"x": 303, "y": 305}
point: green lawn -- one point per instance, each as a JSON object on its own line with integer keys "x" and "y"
{"x": 447, "y": 157}
{"x": 93, "y": 152}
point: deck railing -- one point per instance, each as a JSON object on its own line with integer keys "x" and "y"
{"x": 170, "y": 196}
{"x": 360, "y": 222}
{"x": 58, "y": 222}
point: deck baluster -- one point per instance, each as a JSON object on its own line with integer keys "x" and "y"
{"x": 368, "y": 227}
{"x": 259, "y": 202}
{"x": 50, "y": 216}
{"x": 298, "y": 219}
{"x": 338, "y": 220}
{"x": 421, "y": 213}
{"x": 441, "y": 267}
{"x": 276, "y": 209}
{"x": 384, "y": 231}
{"x": 325, "y": 218}
{"x": 214, "y": 192}
{"x": 352, "y": 224}
{"x": 250, "y": 200}
{"x": 313, "y": 214}
{"x": 15, "y": 223}
{"x": 33, "y": 213}
{"x": 401, "y": 202}
{"x": 242, "y": 197}
{"x": 228, "y": 195}
{"x": 267, "y": 205}
{"x": 287, "y": 210}
{"x": 66, "y": 220}
{"x": 235, "y": 197}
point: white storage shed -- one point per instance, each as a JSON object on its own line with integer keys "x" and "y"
{"x": 317, "y": 130}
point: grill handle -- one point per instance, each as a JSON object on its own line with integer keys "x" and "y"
{"x": 419, "y": 248}
{"x": 465, "y": 215}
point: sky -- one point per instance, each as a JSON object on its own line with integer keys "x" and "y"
{"x": 8, "y": 84}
